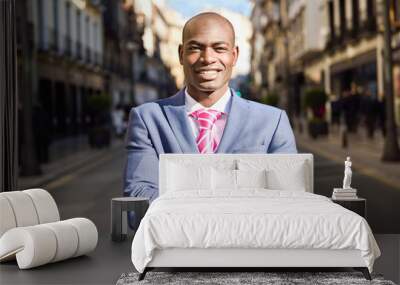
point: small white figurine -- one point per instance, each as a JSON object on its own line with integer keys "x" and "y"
{"x": 347, "y": 174}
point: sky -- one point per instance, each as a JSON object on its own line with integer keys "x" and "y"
{"x": 188, "y": 8}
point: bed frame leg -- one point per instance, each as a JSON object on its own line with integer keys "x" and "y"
{"x": 143, "y": 274}
{"x": 364, "y": 271}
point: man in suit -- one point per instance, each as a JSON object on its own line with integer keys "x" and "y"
{"x": 204, "y": 117}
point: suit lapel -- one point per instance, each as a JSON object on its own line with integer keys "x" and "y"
{"x": 179, "y": 122}
{"x": 234, "y": 124}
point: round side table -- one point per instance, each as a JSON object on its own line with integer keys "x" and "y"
{"x": 119, "y": 208}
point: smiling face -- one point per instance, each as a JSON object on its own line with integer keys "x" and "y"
{"x": 208, "y": 54}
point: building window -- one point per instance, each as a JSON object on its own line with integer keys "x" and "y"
{"x": 88, "y": 41}
{"x": 371, "y": 20}
{"x": 355, "y": 16}
{"x": 68, "y": 18}
{"x": 68, "y": 27}
{"x": 41, "y": 24}
{"x": 331, "y": 16}
{"x": 88, "y": 29}
{"x": 396, "y": 10}
{"x": 342, "y": 10}
{"x": 78, "y": 34}
{"x": 55, "y": 21}
{"x": 95, "y": 46}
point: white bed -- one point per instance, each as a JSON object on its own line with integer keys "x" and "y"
{"x": 247, "y": 210}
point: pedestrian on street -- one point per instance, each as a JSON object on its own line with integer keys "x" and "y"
{"x": 346, "y": 108}
{"x": 205, "y": 116}
{"x": 118, "y": 122}
{"x": 336, "y": 111}
{"x": 369, "y": 113}
{"x": 381, "y": 107}
{"x": 351, "y": 108}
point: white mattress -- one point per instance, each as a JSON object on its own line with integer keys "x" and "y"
{"x": 251, "y": 219}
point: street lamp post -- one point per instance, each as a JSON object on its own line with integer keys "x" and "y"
{"x": 391, "y": 150}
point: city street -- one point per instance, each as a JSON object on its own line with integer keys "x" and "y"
{"x": 87, "y": 193}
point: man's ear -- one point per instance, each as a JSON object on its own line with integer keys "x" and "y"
{"x": 235, "y": 52}
{"x": 180, "y": 52}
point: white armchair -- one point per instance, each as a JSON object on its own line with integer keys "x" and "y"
{"x": 31, "y": 230}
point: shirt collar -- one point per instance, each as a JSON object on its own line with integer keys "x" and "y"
{"x": 221, "y": 105}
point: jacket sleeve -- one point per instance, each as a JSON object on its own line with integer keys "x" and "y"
{"x": 141, "y": 169}
{"x": 283, "y": 140}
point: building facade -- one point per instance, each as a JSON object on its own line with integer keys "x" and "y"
{"x": 68, "y": 52}
{"x": 120, "y": 44}
{"x": 265, "y": 19}
{"x": 333, "y": 44}
{"x": 155, "y": 72}
{"x": 69, "y": 41}
{"x": 354, "y": 46}
{"x": 170, "y": 46}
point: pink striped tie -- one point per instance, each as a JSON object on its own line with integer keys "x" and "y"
{"x": 206, "y": 120}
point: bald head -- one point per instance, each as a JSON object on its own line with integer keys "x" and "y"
{"x": 208, "y": 18}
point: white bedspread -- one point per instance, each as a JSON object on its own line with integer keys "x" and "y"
{"x": 251, "y": 219}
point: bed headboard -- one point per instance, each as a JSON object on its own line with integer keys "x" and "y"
{"x": 238, "y": 161}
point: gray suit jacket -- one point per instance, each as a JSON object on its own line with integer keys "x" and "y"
{"x": 163, "y": 127}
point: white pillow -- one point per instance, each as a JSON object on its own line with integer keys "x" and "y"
{"x": 292, "y": 179}
{"x": 251, "y": 178}
{"x": 223, "y": 179}
{"x": 188, "y": 177}
{"x": 281, "y": 174}
{"x": 230, "y": 180}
